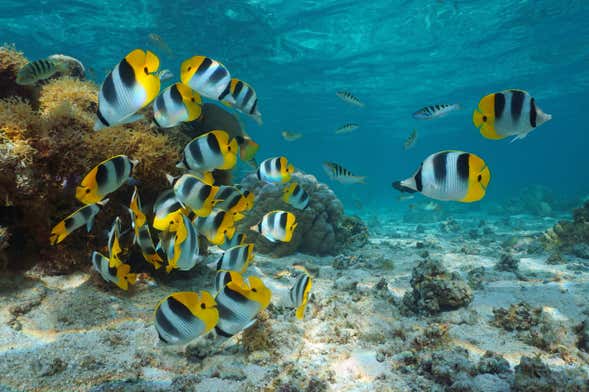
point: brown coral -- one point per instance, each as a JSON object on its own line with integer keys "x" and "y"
{"x": 80, "y": 94}
{"x": 11, "y": 61}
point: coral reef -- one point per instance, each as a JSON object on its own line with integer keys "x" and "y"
{"x": 533, "y": 375}
{"x": 435, "y": 289}
{"x": 507, "y": 262}
{"x": 565, "y": 235}
{"x": 533, "y": 325}
{"x": 322, "y": 228}
{"x": 11, "y": 61}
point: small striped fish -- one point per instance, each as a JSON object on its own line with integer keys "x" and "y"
{"x": 411, "y": 139}
{"x": 348, "y": 97}
{"x": 435, "y": 111}
{"x": 341, "y": 174}
{"x": 38, "y": 70}
{"x": 347, "y": 128}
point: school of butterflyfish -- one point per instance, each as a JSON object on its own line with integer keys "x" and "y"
{"x": 194, "y": 210}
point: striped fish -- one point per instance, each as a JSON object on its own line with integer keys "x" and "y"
{"x": 184, "y": 248}
{"x": 120, "y": 275}
{"x": 349, "y": 98}
{"x": 176, "y": 104}
{"x": 236, "y": 240}
{"x": 142, "y": 234}
{"x": 184, "y": 316}
{"x": 213, "y": 150}
{"x": 105, "y": 178}
{"x": 114, "y": 245}
{"x": 275, "y": 170}
{"x": 277, "y": 226}
{"x": 208, "y": 77}
{"x": 235, "y": 259}
{"x": 168, "y": 211}
{"x": 411, "y": 139}
{"x": 246, "y": 99}
{"x": 508, "y": 113}
{"x": 435, "y": 111}
{"x": 239, "y": 302}
{"x": 346, "y": 128}
{"x": 195, "y": 194}
{"x": 234, "y": 201}
{"x": 129, "y": 87}
{"x": 38, "y": 70}
{"x": 299, "y": 294}
{"x": 342, "y": 175}
{"x": 217, "y": 226}
{"x": 295, "y": 195}
{"x": 81, "y": 217}
{"x": 449, "y": 175}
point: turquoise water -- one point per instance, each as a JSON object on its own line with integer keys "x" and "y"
{"x": 395, "y": 56}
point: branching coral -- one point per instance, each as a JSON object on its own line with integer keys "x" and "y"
{"x": 80, "y": 94}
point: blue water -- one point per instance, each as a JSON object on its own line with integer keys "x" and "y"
{"x": 396, "y": 56}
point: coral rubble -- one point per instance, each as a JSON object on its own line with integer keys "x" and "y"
{"x": 565, "y": 235}
{"x": 533, "y": 375}
{"x": 322, "y": 227}
{"x": 435, "y": 289}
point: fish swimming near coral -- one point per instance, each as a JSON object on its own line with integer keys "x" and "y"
{"x": 299, "y": 294}
{"x": 236, "y": 258}
{"x": 235, "y": 240}
{"x": 114, "y": 244}
{"x": 120, "y": 274}
{"x": 435, "y": 111}
{"x": 184, "y": 316}
{"x": 296, "y": 196}
{"x": 291, "y": 136}
{"x": 346, "y": 128}
{"x": 348, "y": 97}
{"x": 176, "y": 104}
{"x": 338, "y": 173}
{"x": 208, "y": 77}
{"x": 39, "y": 70}
{"x": 184, "y": 248}
{"x": 239, "y": 302}
{"x": 130, "y": 86}
{"x": 449, "y": 175}
{"x": 195, "y": 194}
{"x": 234, "y": 201}
{"x": 213, "y": 150}
{"x": 105, "y": 178}
{"x": 81, "y": 217}
{"x": 275, "y": 170}
{"x": 217, "y": 226}
{"x": 508, "y": 113}
{"x": 168, "y": 211}
{"x": 411, "y": 140}
{"x": 277, "y": 226}
{"x": 142, "y": 234}
{"x": 246, "y": 99}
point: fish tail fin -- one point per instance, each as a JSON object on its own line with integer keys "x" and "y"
{"x": 362, "y": 180}
{"x": 402, "y": 188}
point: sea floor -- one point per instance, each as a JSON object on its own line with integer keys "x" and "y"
{"x": 75, "y": 333}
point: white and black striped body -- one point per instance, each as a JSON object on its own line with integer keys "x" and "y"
{"x": 112, "y": 174}
{"x": 274, "y": 226}
{"x": 230, "y": 196}
{"x": 298, "y": 197}
{"x": 515, "y": 113}
{"x": 349, "y": 98}
{"x": 114, "y": 236}
{"x": 236, "y": 258}
{"x": 202, "y": 154}
{"x": 192, "y": 192}
{"x": 340, "y": 174}
{"x": 211, "y": 80}
{"x": 246, "y": 99}
{"x": 185, "y": 255}
{"x": 433, "y": 111}
{"x": 236, "y": 240}
{"x": 297, "y": 291}
{"x": 347, "y": 128}
{"x": 442, "y": 176}
{"x": 169, "y": 109}
{"x": 120, "y": 96}
{"x": 273, "y": 170}
{"x": 145, "y": 241}
{"x": 82, "y": 217}
{"x": 35, "y": 71}
{"x": 236, "y": 312}
{"x": 175, "y": 323}
{"x": 102, "y": 265}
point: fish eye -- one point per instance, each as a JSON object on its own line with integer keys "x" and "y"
{"x": 192, "y": 99}
{"x": 225, "y": 231}
{"x": 146, "y": 71}
{"x": 87, "y": 191}
{"x": 480, "y": 177}
{"x": 484, "y": 118}
{"x": 203, "y": 306}
{"x": 255, "y": 290}
{"x": 189, "y": 68}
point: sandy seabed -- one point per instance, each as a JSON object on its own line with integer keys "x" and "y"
{"x": 75, "y": 333}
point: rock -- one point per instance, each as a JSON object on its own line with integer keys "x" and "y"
{"x": 581, "y": 250}
{"x": 480, "y": 383}
{"x": 322, "y": 227}
{"x": 565, "y": 235}
{"x": 435, "y": 289}
{"x": 476, "y": 278}
{"x": 534, "y": 376}
{"x": 555, "y": 258}
{"x": 583, "y": 333}
{"x": 493, "y": 363}
{"x": 448, "y": 365}
{"x": 507, "y": 262}
{"x": 51, "y": 368}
